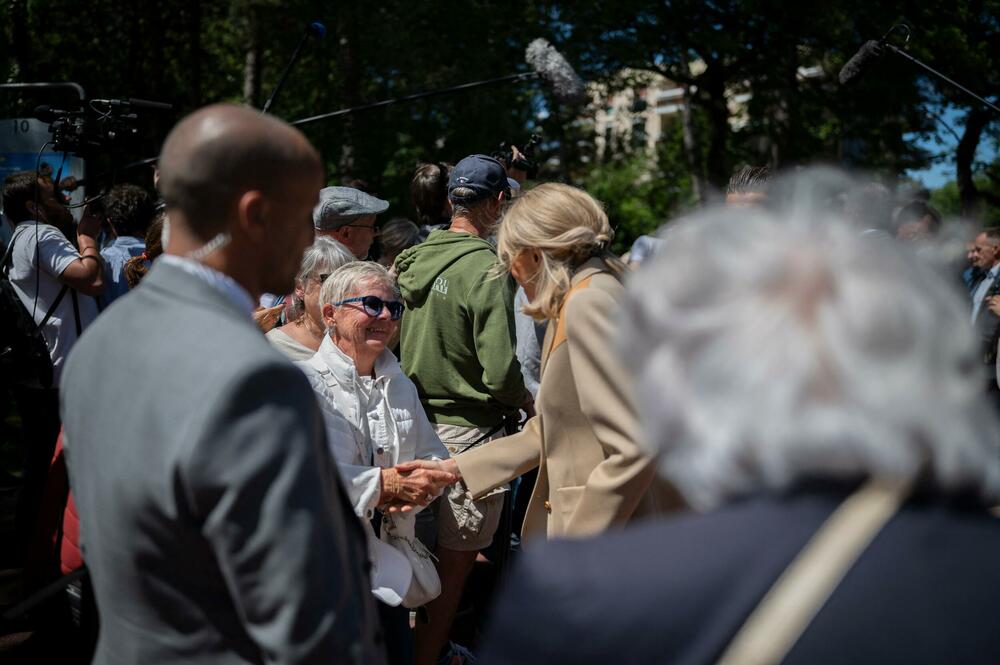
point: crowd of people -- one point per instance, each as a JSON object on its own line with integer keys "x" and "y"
{"x": 280, "y": 423}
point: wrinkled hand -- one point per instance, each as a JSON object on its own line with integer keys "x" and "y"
{"x": 267, "y": 317}
{"x": 414, "y": 484}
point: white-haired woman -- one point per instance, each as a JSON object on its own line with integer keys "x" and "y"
{"x": 592, "y": 474}
{"x": 300, "y": 338}
{"x": 374, "y": 420}
{"x": 814, "y": 392}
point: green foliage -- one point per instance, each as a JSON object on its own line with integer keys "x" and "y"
{"x": 192, "y": 52}
{"x": 947, "y": 201}
{"x": 641, "y": 191}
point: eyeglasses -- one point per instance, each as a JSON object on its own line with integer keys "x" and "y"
{"x": 375, "y": 231}
{"x": 373, "y": 306}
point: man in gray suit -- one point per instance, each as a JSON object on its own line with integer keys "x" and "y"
{"x": 212, "y": 519}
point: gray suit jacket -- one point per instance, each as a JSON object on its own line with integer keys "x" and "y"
{"x": 211, "y": 514}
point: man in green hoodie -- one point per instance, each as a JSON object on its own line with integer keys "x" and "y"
{"x": 458, "y": 346}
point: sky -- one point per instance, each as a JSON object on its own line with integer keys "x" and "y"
{"x": 945, "y": 142}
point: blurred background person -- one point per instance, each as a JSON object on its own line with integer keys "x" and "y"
{"x": 129, "y": 211}
{"x": 429, "y": 195}
{"x": 300, "y": 338}
{"x": 374, "y": 420}
{"x": 393, "y": 237}
{"x": 748, "y": 186}
{"x": 917, "y": 220}
{"x": 137, "y": 267}
{"x": 809, "y": 392}
{"x": 985, "y": 317}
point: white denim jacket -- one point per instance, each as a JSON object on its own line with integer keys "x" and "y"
{"x": 368, "y": 433}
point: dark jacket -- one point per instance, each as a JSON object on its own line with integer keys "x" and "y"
{"x": 677, "y": 590}
{"x": 987, "y": 325}
{"x": 212, "y": 516}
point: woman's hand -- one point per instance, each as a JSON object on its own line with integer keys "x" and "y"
{"x": 267, "y": 317}
{"x": 414, "y": 484}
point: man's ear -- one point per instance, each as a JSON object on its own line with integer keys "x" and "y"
{"x": 32, "y": 209}
{"x": 251, "y": 215}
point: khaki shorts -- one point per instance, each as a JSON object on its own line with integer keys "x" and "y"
{"x": 465, "y": 525}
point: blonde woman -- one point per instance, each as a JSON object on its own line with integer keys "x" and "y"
{"x": 592, "y": 474}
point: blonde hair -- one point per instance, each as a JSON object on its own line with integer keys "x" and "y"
{"x": 569, "y": 227}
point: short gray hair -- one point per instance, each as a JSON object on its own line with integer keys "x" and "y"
{"x": 325, "y": 255}
{"x": 467, "y": 209}
{"x": 770, "y": 350}
{"x": 349, "y": 278}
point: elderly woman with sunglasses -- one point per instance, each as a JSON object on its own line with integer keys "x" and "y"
{"x": 371, "y": 409}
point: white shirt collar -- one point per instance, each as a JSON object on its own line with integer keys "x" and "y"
{"x": 221, "y": 282}
{"x": 343, "y": 366}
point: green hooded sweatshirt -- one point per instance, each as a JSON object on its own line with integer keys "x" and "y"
{"x": 457, "y": 340}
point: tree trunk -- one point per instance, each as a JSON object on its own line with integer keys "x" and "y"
{"x": 968, "y": 194}
{"x": 692, "y": 149}
{"x": 717, "y": 168}
{"x": 252, "y": 59}
{"x": 20, "y": 44}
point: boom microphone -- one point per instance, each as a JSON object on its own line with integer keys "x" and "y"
{"x": 129, "y": 104}
{"x": 552, "y": 68}
{"x": 548, "y": 65}
{"x": 867, "y": 54}
{"x": 873, "y": 49}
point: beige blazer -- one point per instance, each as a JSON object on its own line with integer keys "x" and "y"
{"x": 592, "y": 475}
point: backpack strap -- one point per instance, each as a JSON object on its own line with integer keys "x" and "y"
{"x": 5, "y": 267}
{"x": 794, "y": 600}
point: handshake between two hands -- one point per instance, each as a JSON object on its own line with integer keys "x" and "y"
{"x": 415, "y": 484}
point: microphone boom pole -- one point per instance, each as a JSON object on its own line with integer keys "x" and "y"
{"x": 899, "y": 51}
{"x": 315, "y": 30}
{"x": 524, "y": 76}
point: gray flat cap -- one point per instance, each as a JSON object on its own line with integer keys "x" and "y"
{"x": 342, "y": 205}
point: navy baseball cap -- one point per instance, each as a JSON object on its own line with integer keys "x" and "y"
{"x": 482, "y": 174}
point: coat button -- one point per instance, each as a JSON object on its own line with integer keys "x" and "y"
{"x": 380, "y": 450}
{"x": 548, "y": 506}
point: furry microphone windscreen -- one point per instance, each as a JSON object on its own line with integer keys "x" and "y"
{"x": 549, "y": 64}
{"x": 869, "y": 52}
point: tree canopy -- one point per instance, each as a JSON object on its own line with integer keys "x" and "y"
{"x": 191, "y": 52}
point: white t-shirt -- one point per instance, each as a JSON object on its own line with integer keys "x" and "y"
{"x": 55, "y": 254}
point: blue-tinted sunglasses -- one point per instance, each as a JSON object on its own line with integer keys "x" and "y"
{"x": 373, "y": 306}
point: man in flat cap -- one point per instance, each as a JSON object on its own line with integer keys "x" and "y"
{"x": 348, "y": 216}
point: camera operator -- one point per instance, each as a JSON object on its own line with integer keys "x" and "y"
{"x": 55, "y": 282}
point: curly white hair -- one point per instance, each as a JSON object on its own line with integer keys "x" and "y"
{"x": 770, "y": 349}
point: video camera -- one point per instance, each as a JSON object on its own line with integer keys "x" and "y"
{"x": 526, "y": 163}
{"x": 105, "y": 125}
